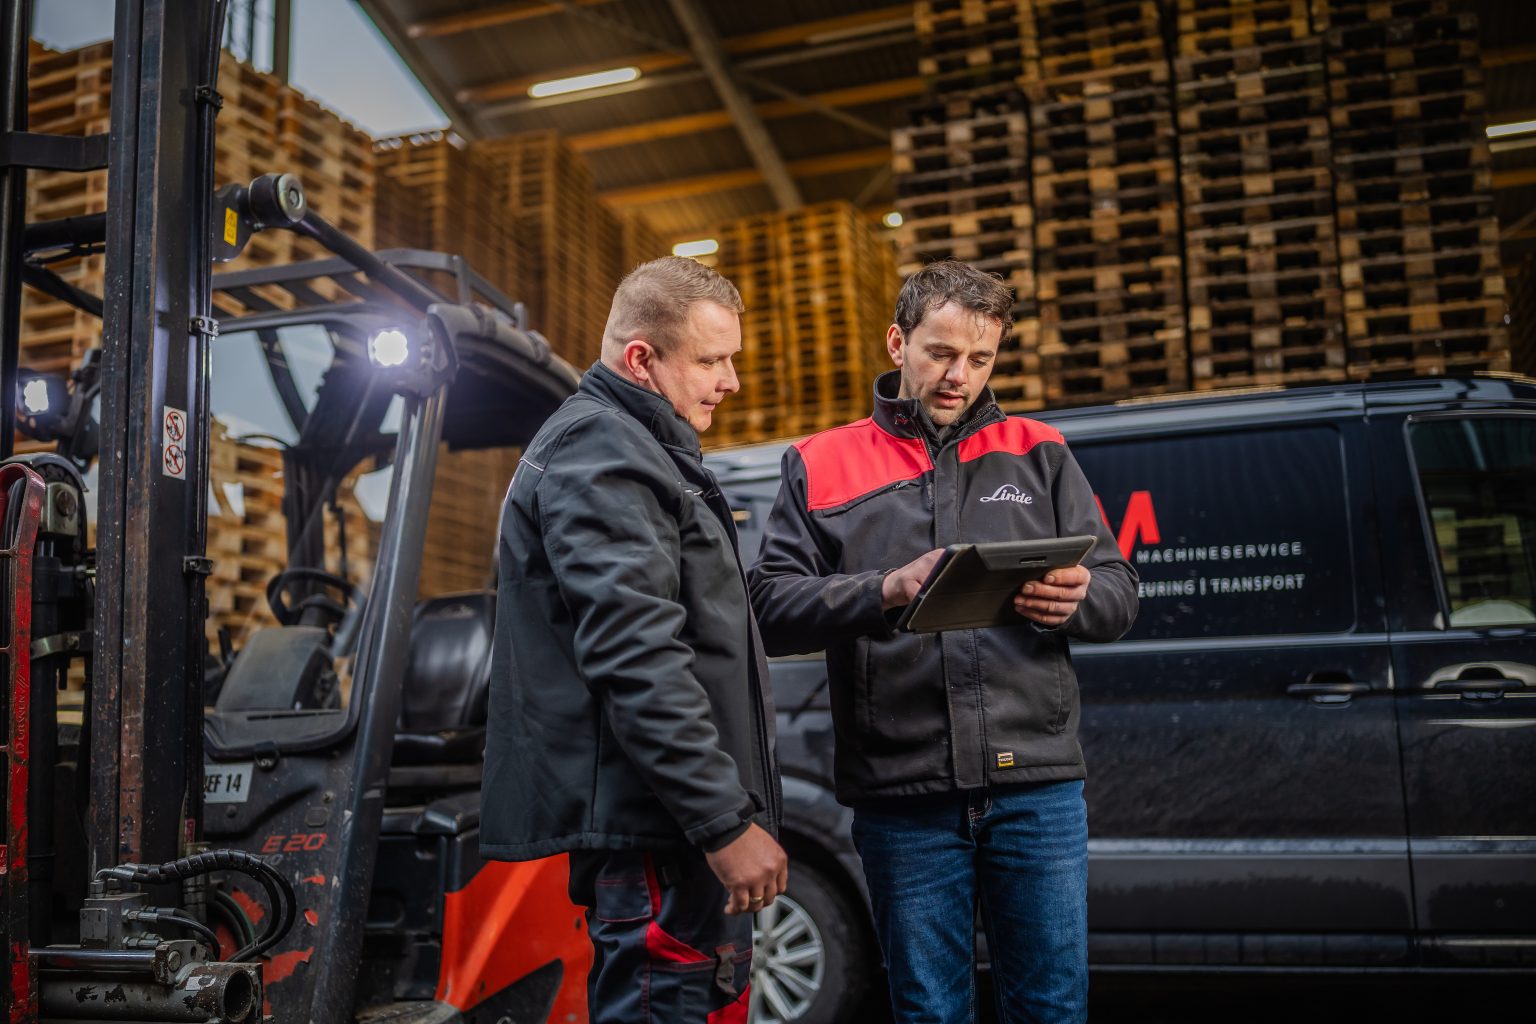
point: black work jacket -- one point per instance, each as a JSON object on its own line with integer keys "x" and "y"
{"x": 928, "y": 713}
{"x": 628, "y": 705}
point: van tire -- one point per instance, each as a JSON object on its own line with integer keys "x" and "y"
{"x": 813, "y": 910}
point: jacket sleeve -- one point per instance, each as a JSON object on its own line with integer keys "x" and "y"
{"x": 1110, "y": 607}
{"x": 802, "y": 605}
{"x": 614, "y": 547}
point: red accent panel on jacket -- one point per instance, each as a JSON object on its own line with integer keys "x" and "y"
{"x": 846, "y": 462}
{"x": 1015, "y": 435}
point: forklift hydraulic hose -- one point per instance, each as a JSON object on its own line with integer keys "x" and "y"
{"x": 279, "y": 890}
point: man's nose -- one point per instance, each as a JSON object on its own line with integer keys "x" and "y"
{"x": 955, "y": 373}
{"x": 730, "y": 385}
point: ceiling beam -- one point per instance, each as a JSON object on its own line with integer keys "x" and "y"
{"x": 1515, "y": 178}
{"x": 754, "y": 134}
{"x": 504, "y": 14}
{"x": 681, "y": 188}
{"x": 826, "y": 29}
{"x": 714, "y": 120}
{"x": 1503, "y": 56}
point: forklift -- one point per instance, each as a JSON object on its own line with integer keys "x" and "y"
{"x": 286, "y": 828}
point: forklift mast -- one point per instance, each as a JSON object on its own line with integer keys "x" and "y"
{"x": 146, "y": 735}
{"x": 146, "y": 709}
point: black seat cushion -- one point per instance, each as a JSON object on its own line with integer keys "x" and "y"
{"x": 442, "y": 711}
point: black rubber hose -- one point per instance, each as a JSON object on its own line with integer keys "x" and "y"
{"x": 240, "y": 927}
{"x": 191, "y": 924}
{"x": 280, "y": 895}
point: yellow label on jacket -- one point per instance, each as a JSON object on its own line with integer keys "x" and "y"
{"x": 1005, "y": 759}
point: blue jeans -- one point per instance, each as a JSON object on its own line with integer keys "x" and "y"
{"x": 1022, "y": 853}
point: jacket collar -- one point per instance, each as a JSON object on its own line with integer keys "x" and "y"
{"x": 653, "y": 411}
{"x": 906, "y": 417}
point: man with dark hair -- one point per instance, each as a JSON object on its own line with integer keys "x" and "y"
{"x": 958, "y": 750}
{"x": 630, "y": 722}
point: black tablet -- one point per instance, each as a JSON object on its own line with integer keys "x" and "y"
{"x": 972, "y": 586}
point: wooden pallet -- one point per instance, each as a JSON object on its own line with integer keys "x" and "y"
{"x": 1471, "y": 349}
{"x": 1205, "y": 27}
{"x": 1162, "y": 222}
{"x": 1076, "y": 37}
{"x": 1076, "y": 249}
{"x": 1358, "y": 45}
{"x": 1313, "y": 359}
{"x": 1346, "y": 13}
{"x": 1135, "y": 199}
{"x": 1259, "y": 99}
{"x": 1150, "y": 359}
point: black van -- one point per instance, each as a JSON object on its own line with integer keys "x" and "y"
{"x": 1317, "y": 746}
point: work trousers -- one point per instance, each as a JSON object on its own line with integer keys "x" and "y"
{"x": 663, "y": 949}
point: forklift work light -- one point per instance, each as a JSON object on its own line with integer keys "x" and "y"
{"x": 389, "y": 348}
{"x": 34, "y": 397}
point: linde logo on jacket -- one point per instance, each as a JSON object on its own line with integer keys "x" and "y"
{"x": 1008, "y": 492}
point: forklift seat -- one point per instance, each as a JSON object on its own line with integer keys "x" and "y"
{"x": 442, "y": 708}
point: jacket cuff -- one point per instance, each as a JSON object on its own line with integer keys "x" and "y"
{"x": 731, "y": 823}
{"x": 725, "y": 839}
{"x": 874, "y": 620}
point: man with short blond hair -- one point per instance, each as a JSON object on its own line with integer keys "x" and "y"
{"x": 630, "y": 722}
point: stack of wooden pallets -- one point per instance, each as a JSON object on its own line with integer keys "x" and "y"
{"x": 1217, "y": 192}
{"x": 1418, "y": 244}
{"x": 962, "y": 181}
{"x": 523, "y": 212}
{"x": 967, "y": 44}
{"x": 1265, "y": 304}
{"x": 546, "y": 189}
{"x": 818, "y": 284}
{"x": 434, "y": 192}
{"x": 1109, "y": 268}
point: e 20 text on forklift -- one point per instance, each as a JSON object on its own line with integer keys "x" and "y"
{"x": 287, "y": 830}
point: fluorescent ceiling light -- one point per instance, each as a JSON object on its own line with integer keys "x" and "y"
{"x": 700, "y": 247}
{"x": 1516, "y": 128}
{"x": 892, "y": 219}
{"x": 596, "y": 80}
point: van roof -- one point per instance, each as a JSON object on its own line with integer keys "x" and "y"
{"x": 1228, "y": 407}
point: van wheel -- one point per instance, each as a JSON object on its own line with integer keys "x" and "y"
{"x": 813, "y": 960}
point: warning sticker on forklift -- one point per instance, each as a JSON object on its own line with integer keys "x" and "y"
{"x": 173, "y": 443}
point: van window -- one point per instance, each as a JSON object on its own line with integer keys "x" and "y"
{"x": 1479, "y": 483}
{"x": 1234, "y": 534}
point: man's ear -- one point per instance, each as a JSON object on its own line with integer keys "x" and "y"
{"x": 638, "y": 357}
{"x": 894, "y": 340}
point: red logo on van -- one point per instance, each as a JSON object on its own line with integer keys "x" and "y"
{"x": 1140, "y": 522}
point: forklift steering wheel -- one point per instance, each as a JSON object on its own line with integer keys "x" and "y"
{"x": 292, "y": 614}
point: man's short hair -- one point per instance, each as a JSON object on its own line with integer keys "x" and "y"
{"x": 653, "y": 300}
{"x": 946, "y": 281}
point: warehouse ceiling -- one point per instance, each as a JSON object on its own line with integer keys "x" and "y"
{"x": 744, "y": 107}
{"x": 820, "y": 82}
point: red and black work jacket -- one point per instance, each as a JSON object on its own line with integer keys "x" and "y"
{"x": 927, "y": 713}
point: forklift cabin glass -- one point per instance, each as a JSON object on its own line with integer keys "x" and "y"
{"x": 301, "y": 436}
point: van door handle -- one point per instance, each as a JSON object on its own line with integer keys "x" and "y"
{"x": 1328, "y": 688}
{"x": 1483, "y": 680}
